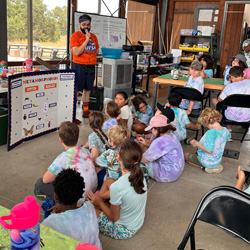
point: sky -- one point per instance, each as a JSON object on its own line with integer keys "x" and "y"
{"x": 91, "y": 8}
{"x": 52, "y": 4}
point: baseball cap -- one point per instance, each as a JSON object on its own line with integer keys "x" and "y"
{"x": 241, "y": 58}
{"x": 196, "y": 65}
{"x": 168, "y": 112}
{"x": 157, "y": 122}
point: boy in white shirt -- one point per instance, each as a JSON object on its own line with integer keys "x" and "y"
{"x": 194, "y": 81}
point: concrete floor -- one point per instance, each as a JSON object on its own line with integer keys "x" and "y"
{"x": 170, "y": 206}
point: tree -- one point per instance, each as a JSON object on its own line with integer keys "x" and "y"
{"x": 46, "y": 24}
{"x": 17, "y": 19}
{"x": 60, "y": 15}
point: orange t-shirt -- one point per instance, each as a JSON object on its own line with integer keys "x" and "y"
{"x": 88, "y": 56}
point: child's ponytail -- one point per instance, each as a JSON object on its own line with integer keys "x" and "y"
{"x": 136, "y": 178}
{"x": 131, "y": 154}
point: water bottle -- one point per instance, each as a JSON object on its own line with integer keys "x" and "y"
{"x": 176, "y": 72}
{"x": 24, "y": 226}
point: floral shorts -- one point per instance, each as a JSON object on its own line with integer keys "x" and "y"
{"x": 110, "y": 228}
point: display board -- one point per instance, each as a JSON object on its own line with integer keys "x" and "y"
{"x": 39, "y": 102}
{"x": 110, "y": 31}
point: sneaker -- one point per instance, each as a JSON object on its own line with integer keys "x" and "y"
{"x": 41, "y": 197}
{"x": 77, "y": 121}
{"x": 86, "y": 115}
{"x": 216, "y": 170}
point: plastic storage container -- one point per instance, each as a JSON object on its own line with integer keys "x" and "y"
{"x": 3, "y": 125}
{"x": 187, "y": 32}
{"x": 112, "y": 53}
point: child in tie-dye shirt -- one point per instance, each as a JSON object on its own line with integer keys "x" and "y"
{"x": 238, "y": 86}
{"x": 79, "y": 223}
{"x": 181, "y": 120}
{"x": 143, "y": 114}
{"x": 164, "y": 157}
{"x": 73, "y": 157}
{"x": 212, "y": 144}
{"x": 108, "y": 159}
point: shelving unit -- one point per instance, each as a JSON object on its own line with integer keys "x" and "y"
{"x": 212, "y": 49}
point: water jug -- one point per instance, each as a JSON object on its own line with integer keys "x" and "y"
{"x": 27, "y": 65}
{"x": 24, "y": 225}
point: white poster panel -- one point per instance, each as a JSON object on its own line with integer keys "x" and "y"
{"x": 39, "y": 102}
{"x": 110, "y": 31}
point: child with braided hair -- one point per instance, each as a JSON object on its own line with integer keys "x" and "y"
{"x": 98, "y": 140}
{"x": 128, "y": 196}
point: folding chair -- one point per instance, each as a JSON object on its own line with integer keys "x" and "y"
{"x": 225, "y": 207}
{"x": 193, "y": 95}
{"x": 240, "y": 101}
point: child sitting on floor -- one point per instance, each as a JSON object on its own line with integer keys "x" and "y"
{"x": 164, "y": 157}
{"x": 74, "y": 157}
{"x": 169, "y": 113}
{"x": 211, "y": 145}
{"x": 238, "y": 86}
{"x": 121, "y": 99}
{"x": 194, "y": 81}
{"x": 128, "y": 196}
{"x": 79, "y": 223}
{"x": 108, "y": 159}
{"x": 113, "y": 111}
{"x": 181, "y": 120}
{"x": 97, "y": 140}
{"x": 143, "y": 114}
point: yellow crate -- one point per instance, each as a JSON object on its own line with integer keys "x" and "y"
{"x": 186, "y": 48}
{"x": 187, "y": 59}
{"x": 201, "y": 50}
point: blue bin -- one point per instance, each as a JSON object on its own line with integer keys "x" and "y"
{"x": 112, "y": 53}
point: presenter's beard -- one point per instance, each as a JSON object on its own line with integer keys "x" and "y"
{"x": 84, "y": 30}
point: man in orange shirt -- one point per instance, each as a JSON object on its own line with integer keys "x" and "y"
{"x": 85, "y": 47}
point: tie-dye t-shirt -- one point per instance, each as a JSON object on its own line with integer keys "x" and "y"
{"x": 109, "y": 123}
{"x": 95, "y": 141}
{"x": 165, "y": 156}
{"x": 108, "y": 160}
{"x": 180, "y": 122}
{"x": 198, "y": 84}
{"x": 214, "y": 140}
{"x": 143, "y": 117}
{"x": 79, "y": 224}
{"x": 233, "y": 113}
{"x": 78, "y": 158}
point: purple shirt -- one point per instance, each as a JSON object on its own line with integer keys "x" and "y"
{"x": 167, "y": 157}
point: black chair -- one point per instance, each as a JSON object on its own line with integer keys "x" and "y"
{"x": 192, "y": 95}
{"x": 225, "y": 207}
{"x": 236, "y": 100}
{"x": 207, "y": 97}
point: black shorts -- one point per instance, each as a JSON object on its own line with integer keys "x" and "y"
{"x": 85, "y": 81}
